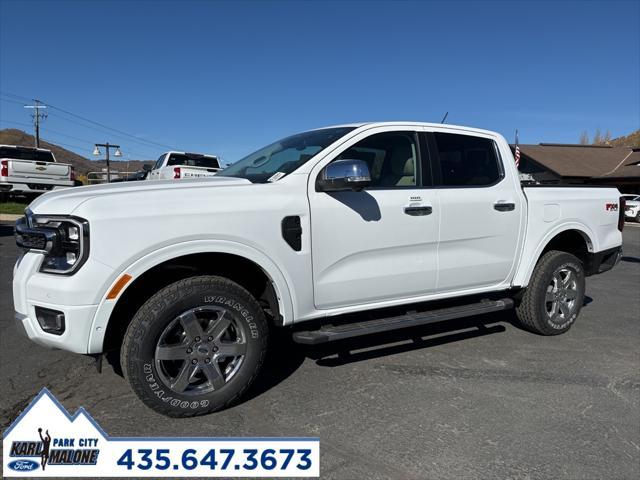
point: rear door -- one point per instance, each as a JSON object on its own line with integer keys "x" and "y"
{"x": 481, "y": 212}
{"x": 380, "y": 243}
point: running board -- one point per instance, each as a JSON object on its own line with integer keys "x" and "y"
{"x": 330, "y": 333}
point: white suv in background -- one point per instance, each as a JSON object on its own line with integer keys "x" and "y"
{"x": 632, "y": 208}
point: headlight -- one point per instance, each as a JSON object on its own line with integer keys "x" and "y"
{"x": 64, "y": 240}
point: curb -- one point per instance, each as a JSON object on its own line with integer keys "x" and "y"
{"x": 9, "y": 217}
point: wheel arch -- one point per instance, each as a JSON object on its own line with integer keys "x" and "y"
{"x": 574, "y": 238}
{"x": 241, "y": 263}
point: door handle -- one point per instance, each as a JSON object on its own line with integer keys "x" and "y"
{"x": 504, "y": 206}
{"x": 418, "y": 211}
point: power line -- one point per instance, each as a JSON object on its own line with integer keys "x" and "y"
{"x": 49, "y": 130}
{"x": 12, "y": 101}
{"x": 51, "y": 142}
{"x": 97, "y": 129}
{"x": 19, "y": 97}
{"x": 133, "y": 138}
{"x": 91, "y": 142}
{"x": 11, "y": 122}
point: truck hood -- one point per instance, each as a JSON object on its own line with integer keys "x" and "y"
{"x": 65, "y": 201}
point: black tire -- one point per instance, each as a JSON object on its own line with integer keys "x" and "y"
{"x": 163, "y": 339}
{"x": 546, "y": 310}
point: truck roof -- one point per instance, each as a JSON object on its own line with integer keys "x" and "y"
{"x": 411, "y": 123}
{"x": 22, "y": 147}
{"x": 190, "y": 154}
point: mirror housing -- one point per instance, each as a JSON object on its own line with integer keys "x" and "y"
{"x": 147, "y": 167}
{"x": 342, "y": 175}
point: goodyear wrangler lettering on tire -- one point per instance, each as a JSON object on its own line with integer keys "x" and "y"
{"x": 237, "y": 306}
{"x": 174, "y": 402}
{"x": 195, "y": 346}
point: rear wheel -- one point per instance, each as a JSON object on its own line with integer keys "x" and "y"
{"x": 195, "y": 346}
{"x": 553, "y": 299}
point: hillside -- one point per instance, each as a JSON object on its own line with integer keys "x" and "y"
{"x": 82, "y": 165}
{"x": 631, "y": 140}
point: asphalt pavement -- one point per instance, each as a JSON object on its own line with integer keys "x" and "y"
{"x": 478, "y": 398}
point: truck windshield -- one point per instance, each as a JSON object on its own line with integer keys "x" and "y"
{"x": 284, "y": 156}
{"x": 193, "y": 160}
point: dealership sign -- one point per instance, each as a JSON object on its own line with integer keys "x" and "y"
{"x": 46, "y": 441}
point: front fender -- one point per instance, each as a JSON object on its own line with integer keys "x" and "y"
{"x": 279, "y": 279}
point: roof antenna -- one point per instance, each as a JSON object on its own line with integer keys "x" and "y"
{"x": 445, "y": 117}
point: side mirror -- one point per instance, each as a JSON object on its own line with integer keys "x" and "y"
{"x": 344, "y": 175}
{"x": 147, "y": 167}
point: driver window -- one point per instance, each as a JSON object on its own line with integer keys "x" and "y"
{"x": 392, "y": 158}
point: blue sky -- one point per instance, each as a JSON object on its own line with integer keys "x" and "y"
{"x": 227, "y": 78}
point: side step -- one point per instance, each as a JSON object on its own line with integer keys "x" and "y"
{"x": 330, "y": 333}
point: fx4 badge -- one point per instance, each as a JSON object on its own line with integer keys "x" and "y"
{"x": 611, "y": 207}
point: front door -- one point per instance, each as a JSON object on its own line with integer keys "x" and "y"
{"x": 378, "y": 244}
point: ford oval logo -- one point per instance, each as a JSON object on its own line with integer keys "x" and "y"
{"x": 23, "y": 465}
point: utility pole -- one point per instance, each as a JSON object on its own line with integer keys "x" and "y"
{"x": 107, "y": 146}
{"x": 36, "y": 117}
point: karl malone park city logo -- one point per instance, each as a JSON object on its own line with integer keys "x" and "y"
{"x": 46, "y": 439}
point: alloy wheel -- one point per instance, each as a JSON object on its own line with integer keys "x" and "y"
{"x": 200, "y": 350}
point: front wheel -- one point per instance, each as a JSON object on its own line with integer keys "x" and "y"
{"x": 554, "y": 296}
{"x": 195, "y": 346}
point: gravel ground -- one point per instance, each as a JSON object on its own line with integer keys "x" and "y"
{"x": 478, "y": 398}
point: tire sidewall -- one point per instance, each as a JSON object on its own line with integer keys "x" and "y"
{"x": 562, "y": 261}
{"x": 151, "y": 320}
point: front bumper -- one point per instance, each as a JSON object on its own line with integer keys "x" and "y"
{"x": 74, "y": 295}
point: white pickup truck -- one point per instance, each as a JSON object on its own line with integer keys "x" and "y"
{"x": 178, "y": 165}
{"x": 31, "y": 171}
{"x": 330, "y": 222}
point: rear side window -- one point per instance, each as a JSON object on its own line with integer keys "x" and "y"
{"x": 26, "y": 154}
{"x": 467, "y": 161}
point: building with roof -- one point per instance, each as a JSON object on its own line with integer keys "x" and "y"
{"x": 556, "y": 163}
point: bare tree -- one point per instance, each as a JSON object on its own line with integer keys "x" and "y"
{"x": 584, "y": 138}
{"x": 607, "y": 137}
{"x": 597, "y": 137}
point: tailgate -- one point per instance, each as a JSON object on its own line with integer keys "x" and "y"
{"x": 39, "y": 170}
{"x": 192, "y": 172}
